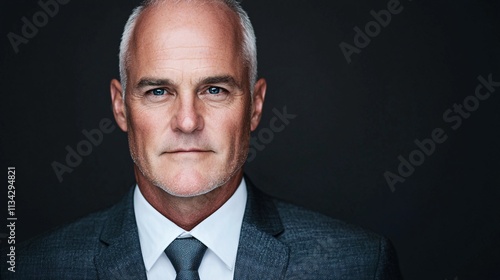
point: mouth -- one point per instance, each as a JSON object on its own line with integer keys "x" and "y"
{"x": 188, "y": 150}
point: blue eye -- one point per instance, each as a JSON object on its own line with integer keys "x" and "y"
{"x": 158, "y": 91}
{"x": 214, "y": 90}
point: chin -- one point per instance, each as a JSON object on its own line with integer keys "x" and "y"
{"x": 189, "y": 184}
{"x": 191, "y": 180}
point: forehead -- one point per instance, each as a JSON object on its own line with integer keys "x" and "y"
{"x": 198, "y": 34}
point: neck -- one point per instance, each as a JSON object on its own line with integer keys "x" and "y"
{"x": 187, "y": 212}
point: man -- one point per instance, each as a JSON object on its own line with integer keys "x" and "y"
{"x": 188, "y": 100}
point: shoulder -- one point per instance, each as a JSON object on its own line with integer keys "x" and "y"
{"x": 303, "y": 223}
{"x": 321, "y": 243}
{"x": 67, "y": 238}
{"x": 67, "y": 248}
{"x": 303, "y": 229}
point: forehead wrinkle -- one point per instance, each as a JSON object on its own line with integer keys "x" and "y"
{"x": 158, "y": 50}
{"x": 201, "y": 53}
{"x": 184, "y": 23}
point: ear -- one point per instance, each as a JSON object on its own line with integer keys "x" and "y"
{"x": 118, "y": 104}
{"x": 259, "y": 94}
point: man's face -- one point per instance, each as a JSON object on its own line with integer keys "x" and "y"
{"x": 188, "y": 107}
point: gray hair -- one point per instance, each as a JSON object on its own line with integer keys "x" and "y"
{"x": 248, "y": 44}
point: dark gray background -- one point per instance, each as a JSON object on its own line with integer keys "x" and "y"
{"x": 353, "y": 120}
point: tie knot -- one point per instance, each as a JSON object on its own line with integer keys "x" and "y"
{"x": 186, "y": 255}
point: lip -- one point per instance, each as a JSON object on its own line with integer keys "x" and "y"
{"x": 188, "y": 150}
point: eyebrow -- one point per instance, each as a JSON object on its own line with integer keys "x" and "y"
{"x": 224, "y": 79}
{"x": 147, "y": 82}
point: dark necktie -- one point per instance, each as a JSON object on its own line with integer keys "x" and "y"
{"x": 186, "y": 255}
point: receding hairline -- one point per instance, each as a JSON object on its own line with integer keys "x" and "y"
{"x": 230, "y": 25}
{"x": 236, "y": 29}
{"x": 243, "y": 34}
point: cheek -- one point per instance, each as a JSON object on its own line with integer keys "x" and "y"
{"x": 142, "y": 128}
{"x": 225, "y": 130}
{"x": 239, "y": 133}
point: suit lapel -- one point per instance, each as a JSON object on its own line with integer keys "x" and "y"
{"x": 260, "y": 254}
{"x": 121, "y": 256}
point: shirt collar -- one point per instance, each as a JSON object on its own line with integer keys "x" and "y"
{"x": 220, "y": 231}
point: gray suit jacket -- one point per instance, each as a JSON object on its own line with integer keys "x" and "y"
{"x": 278, "y": 241}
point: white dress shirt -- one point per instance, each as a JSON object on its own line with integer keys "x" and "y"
{"x": 220, "y": 232}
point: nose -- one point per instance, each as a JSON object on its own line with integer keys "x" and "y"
{"x": 187, "y": 116}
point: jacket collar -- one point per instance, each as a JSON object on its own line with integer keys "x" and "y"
{"x": 120, "y": 256}
{"x": 260, "y": 253}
